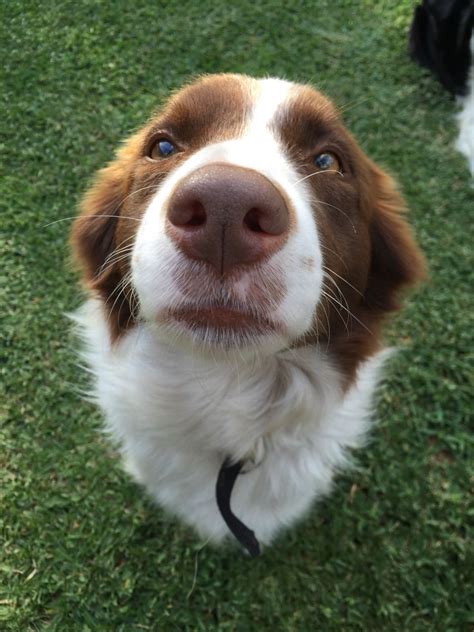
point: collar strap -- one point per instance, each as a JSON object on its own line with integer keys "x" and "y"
{"x": 224, "y": 486}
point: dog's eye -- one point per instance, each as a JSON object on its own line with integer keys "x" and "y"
{"x": 327, "y": 162}
{"x": 161, "y": 148}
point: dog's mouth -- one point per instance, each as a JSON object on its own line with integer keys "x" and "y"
{"x": 239, "y": 310}
{"x": 222, "y": 317}
{"x": 222, "y": 324}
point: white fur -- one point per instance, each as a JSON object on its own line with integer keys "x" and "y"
{"x": 465, "y": 141}
{"x": 176, "y": 416}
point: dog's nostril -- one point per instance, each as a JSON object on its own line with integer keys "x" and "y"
{"x": 252, "y": 220}
{"x": 191, "y": 214}
{"x": 267, "y": 220}
{"x": 197, "y": 216}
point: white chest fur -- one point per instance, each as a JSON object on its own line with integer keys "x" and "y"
{"x": 177, "y": 416}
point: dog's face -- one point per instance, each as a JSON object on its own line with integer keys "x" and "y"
{"x": 245, "y": 215}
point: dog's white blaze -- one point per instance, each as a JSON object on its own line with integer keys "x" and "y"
{"x": 270, "y": 94}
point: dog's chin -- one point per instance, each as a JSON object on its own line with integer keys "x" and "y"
{"x": 221, "y": 329}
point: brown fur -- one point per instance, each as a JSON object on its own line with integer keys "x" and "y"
{"x": 394, "y": 264}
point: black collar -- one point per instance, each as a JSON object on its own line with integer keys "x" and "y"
{"x": 224, "y": 486}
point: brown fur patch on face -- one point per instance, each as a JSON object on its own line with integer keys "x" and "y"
{"x": 395, "y": 264}
{"x": 306, "y": 119}
{"x": 369, "y": 254}
{"x": 210, "y": 110}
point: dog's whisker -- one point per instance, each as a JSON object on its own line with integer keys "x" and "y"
{"x": 343, "y": 279}
{"x": 332, "y": 299}
{"x": 100, "y": 215}
{"x": 318, "y": 201}
{"x": 355, "y": 318}
{"x": 121, "y": 288}
{"x": 318, "y": 173}
{"x": 140, "y": 190}
{"x": 324, "y": 247}
{"x": 118, "y": 257}
{"x": 350, "y": 105}
{"x": 328, "y": 277}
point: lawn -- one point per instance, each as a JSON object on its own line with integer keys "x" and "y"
{"x": 82, "y": 547}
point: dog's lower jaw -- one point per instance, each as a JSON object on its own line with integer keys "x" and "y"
{"x": 177, "y": 416}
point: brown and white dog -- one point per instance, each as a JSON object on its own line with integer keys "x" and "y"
{"x": 241, "y": 253}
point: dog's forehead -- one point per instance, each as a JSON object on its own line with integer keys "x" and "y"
{"x": 224, "y": 106}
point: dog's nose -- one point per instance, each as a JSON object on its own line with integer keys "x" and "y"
{"x": 227, "y": 215}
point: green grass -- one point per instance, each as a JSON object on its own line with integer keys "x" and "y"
{"x": 82, "y": 547}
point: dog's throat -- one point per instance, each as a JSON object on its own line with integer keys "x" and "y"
{"x": 224, "y": 486}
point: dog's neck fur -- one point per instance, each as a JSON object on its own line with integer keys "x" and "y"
{"x": 178, "y": 415}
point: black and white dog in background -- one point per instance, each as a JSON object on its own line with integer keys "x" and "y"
{"x": 441, "y": 39}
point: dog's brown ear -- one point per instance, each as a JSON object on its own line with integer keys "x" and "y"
{"x": 93, "y": 240}
{"x": 93, "y": 232}
{"x": 396, "y": 261}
